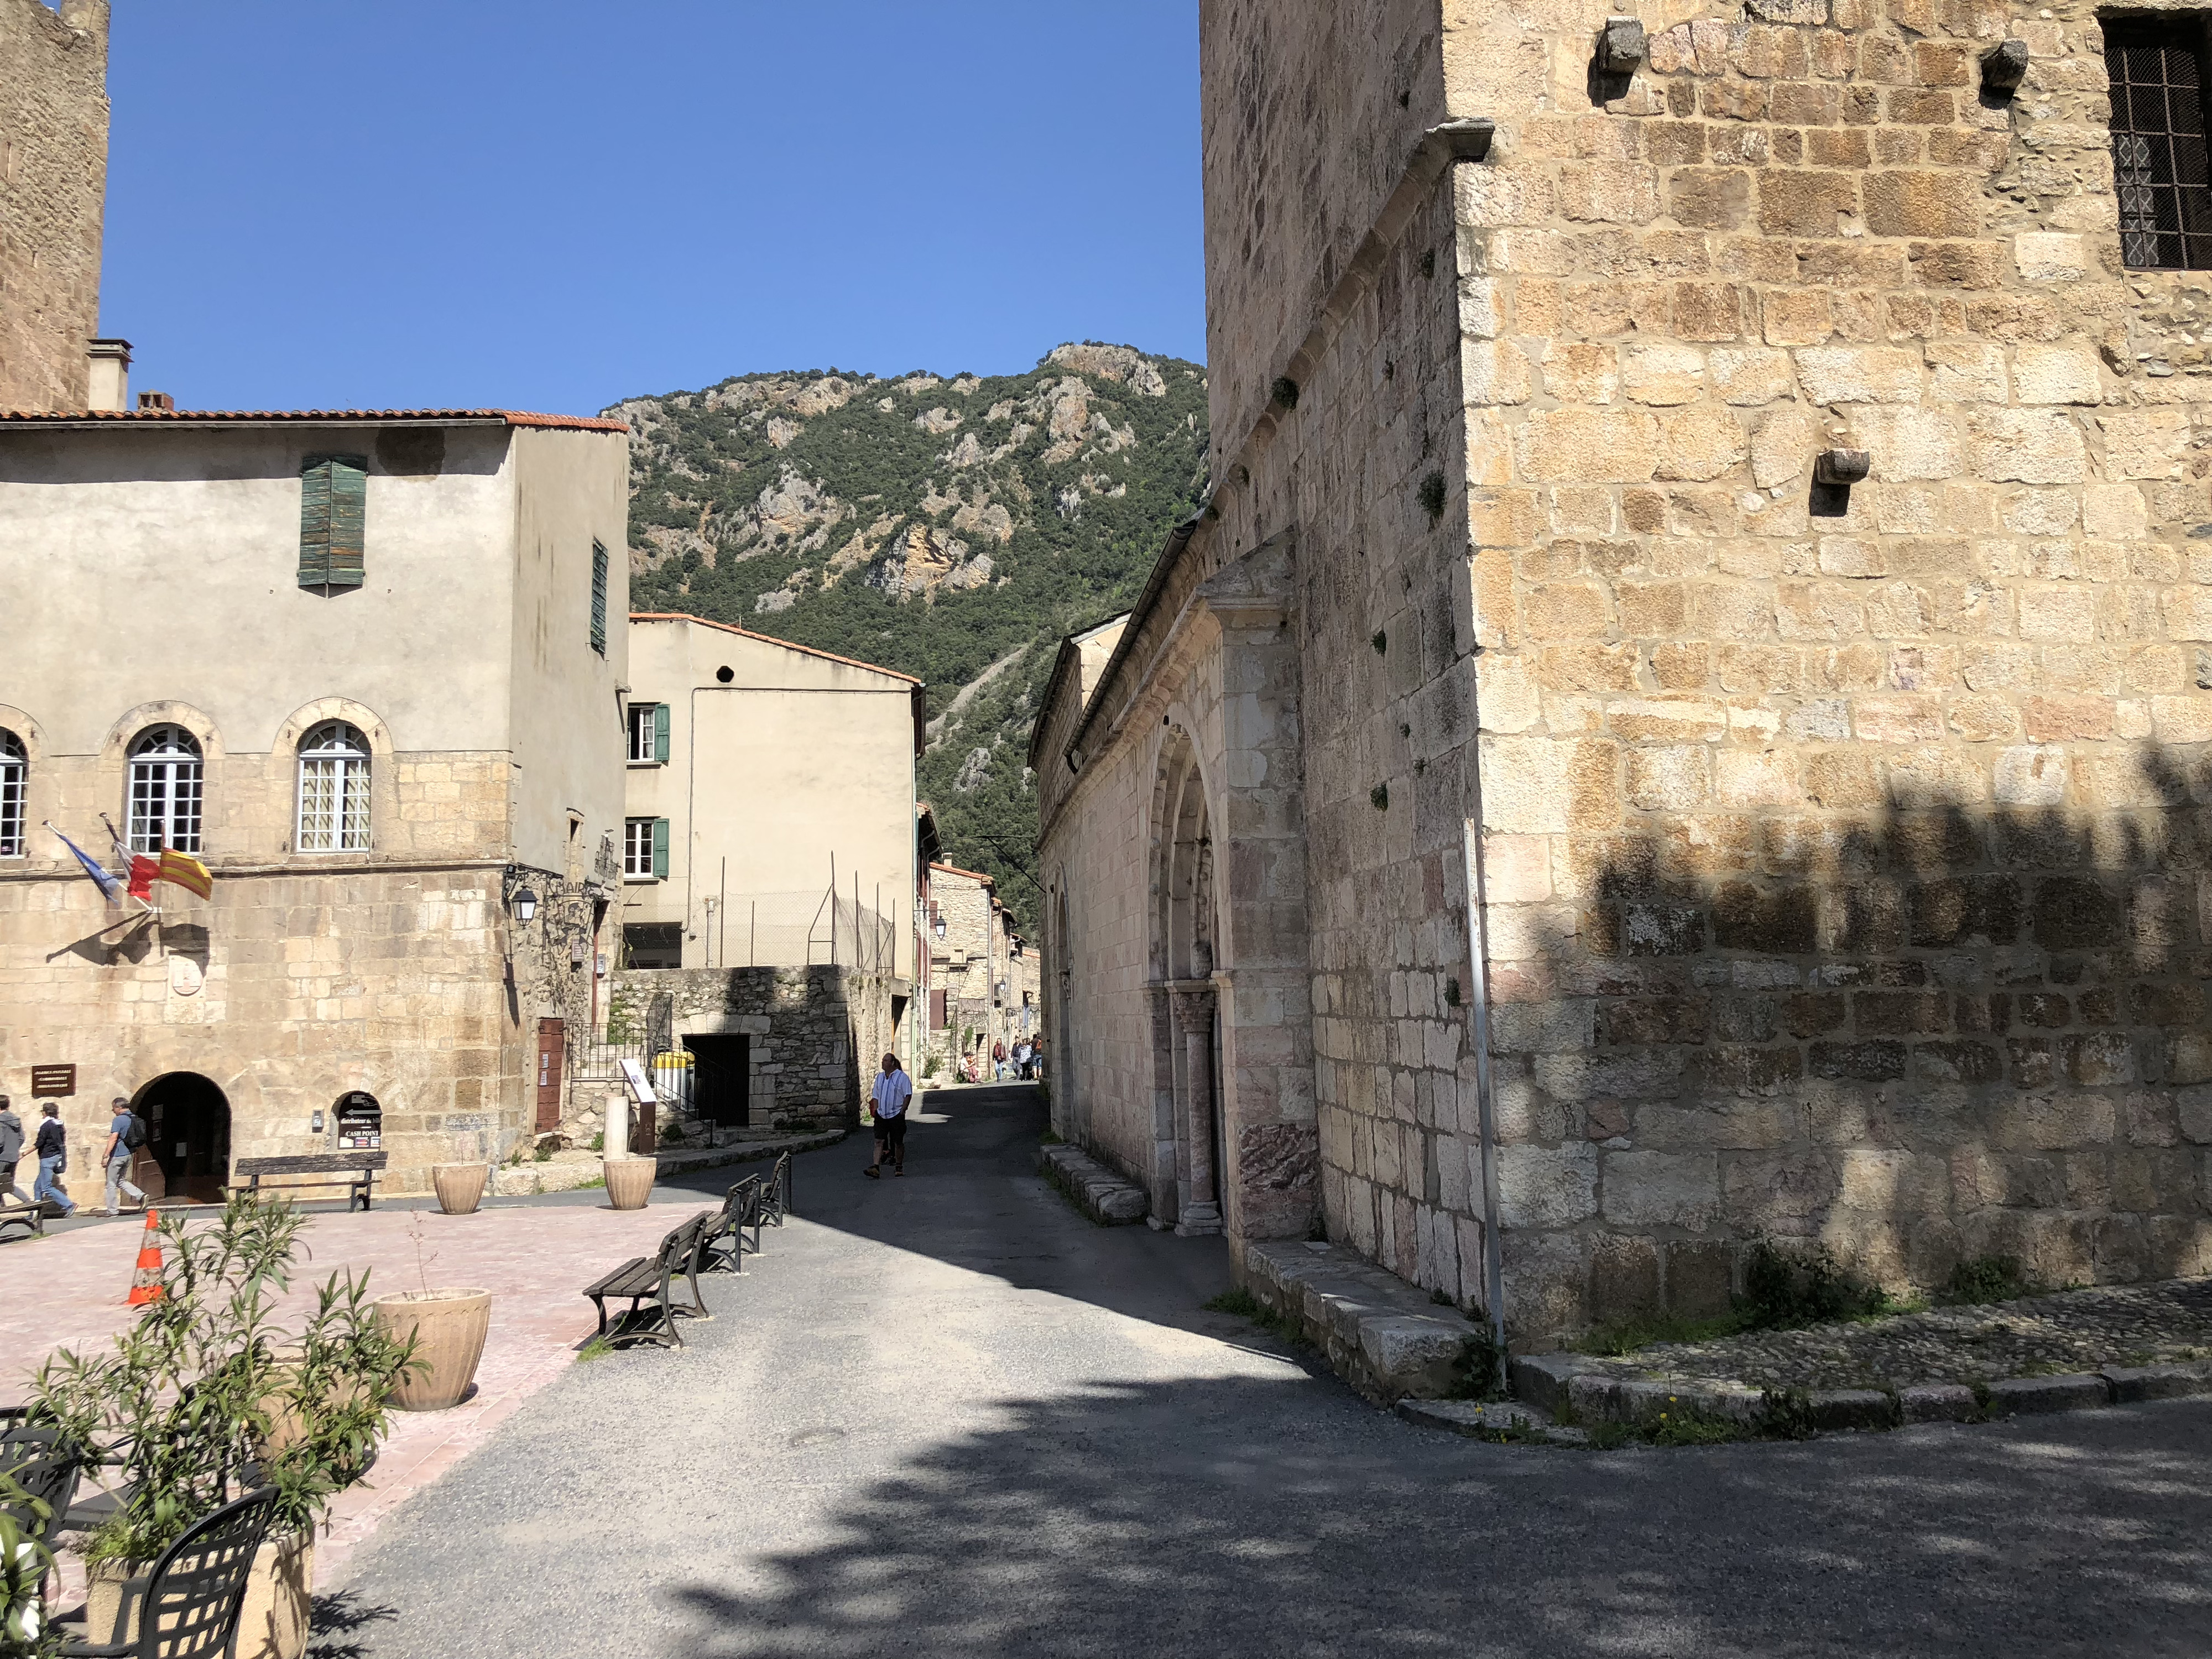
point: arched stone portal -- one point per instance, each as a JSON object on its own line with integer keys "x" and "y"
{"x": 188, "y": 1133}
{"x": 1186, "y": 937}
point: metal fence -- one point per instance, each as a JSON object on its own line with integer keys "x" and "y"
{"x": 813, "y": 929}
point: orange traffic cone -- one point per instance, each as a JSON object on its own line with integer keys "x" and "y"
{"x": 146, "y": 1279}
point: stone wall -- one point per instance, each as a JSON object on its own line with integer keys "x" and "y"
{"x": 53, "y": 187}
{"x": 817, "y": 1033}
{"x": 1842, "y": 849}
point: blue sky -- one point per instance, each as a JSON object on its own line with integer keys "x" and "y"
{"x": 551, "y": 204}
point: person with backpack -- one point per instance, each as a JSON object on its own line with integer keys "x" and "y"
{"x": 11, "y": 1150}
{"x": 126, "y": 1134}
{"x": 53, "y": 1148}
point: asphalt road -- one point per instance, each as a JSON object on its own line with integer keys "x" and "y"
{"x": 946, "y": 1415}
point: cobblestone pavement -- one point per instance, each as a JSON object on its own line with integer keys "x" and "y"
{"x": 948, "y": 1417}
{"x": 2067, "y": 1331}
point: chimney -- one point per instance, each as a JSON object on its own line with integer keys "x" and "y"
{"x": 110, "y": 375}
{"x": 157, "y": 402}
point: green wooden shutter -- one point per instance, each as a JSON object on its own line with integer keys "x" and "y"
{"x": 660, "y": 849}
{"x": 333, "y": 521}
{"x": 661, "y": 733}
{"x": 599, "y": 599}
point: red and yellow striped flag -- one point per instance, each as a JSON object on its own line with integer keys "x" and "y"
{"x": 186, "y": 872}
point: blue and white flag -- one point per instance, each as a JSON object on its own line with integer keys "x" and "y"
{"x": 111, "y": 889}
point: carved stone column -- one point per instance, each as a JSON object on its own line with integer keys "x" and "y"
{"x": 1200, "y": 1210}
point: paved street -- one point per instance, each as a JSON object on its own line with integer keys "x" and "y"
{"x": 946, "y": 1415}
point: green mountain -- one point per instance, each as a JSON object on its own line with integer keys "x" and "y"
{"x": 952, "y": 529}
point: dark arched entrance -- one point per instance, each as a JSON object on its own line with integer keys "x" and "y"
{"x": 188, "y": 1133}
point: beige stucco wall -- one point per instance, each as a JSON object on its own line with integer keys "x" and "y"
{"x": 148, "y": 571}
{"x": 53, "y": 188}
{"x": 798, "y": 761}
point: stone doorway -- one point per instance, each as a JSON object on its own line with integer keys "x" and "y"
{"x": 1187, "y": 1030}
{"x": 188, "y": 1133}
{"x": 721, "y": 1079}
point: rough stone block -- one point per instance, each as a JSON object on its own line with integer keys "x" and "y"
{"x": 1938, "y": 1402}
{"x": 1852, "y": 1408}
{"x": 2028, "y": 1395}
{"x": 2129, "y": 1383}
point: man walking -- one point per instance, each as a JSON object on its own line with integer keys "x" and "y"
{"x": 125, "y": 1135}
{"x": 53, "y": 1148}
{"x": 11, "y": 1152}
{"x": 894, "y": 1088}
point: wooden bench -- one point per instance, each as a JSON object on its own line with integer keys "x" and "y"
{"x": 775, "y": 1194}
{"x": 356, "y": 1171}
{"x": 647, "y": 1281}
{"x": 724, "y": 1247}
{"x": 32, "y": 1215}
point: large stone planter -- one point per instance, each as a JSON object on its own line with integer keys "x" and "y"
{"x": 272, "y": 1623}
{"x": 461, "y": 1186}
{"x": 629, "y": 1181}
{"x": 448, "y": 1327}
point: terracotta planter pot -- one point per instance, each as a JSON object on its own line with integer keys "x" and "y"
{"x": 448, "y": 1327}
{"x": 629, "y": 1181}
{"x": 460, "y": 1186}
{"x": 273, "y": 1623}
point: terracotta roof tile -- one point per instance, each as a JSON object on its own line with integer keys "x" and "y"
{"x": 246, "y": 417}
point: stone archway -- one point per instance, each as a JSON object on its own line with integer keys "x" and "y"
{"x": 187, "y": 1135}
{"x": 1186, "y": 935}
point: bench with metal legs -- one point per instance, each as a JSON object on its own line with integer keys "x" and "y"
{"x": 646, "y": 1283}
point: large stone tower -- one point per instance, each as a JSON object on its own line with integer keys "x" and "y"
{"x": 53, "y": 183}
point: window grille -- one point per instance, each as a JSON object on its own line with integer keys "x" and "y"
{"x": 2158, "y": 144}
{"x": 599, "y": 599}
{"x": 334, "y": 790}
{"x": 14, "y": 780}
{"x": 165, "y": 791}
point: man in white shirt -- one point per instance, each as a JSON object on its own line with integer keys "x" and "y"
{"x": 894, "y": 1088}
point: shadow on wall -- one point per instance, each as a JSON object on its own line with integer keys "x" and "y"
{"x": 1195, "y": 1515}
{"x": 1918, "y": 1029}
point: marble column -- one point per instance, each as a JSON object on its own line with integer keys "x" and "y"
{"x": 1200, "y": 1211}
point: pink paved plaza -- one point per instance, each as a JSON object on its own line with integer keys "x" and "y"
{"x": 68, "y": 1291}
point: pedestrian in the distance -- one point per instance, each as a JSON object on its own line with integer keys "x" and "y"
{"x": 998, "y": 1062}
{"x": 894, "y": 1088}
{"x": 53, "y": 1148}
{"x": 125, "y": 1135}
{"x": 11, "y": 1152}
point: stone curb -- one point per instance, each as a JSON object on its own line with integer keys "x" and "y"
{"x": 1382, "y": 1336}
{"x": 1098, "y": 1192}
{"x": 1478, "y": 1418}
{"x": 1570, "y": 1386}
{"x": 671, "y": 1164}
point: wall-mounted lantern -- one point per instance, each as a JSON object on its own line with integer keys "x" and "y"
{"x": 525, "y": 905}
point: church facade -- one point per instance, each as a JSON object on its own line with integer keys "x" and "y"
{"x": 1683, "y": 717}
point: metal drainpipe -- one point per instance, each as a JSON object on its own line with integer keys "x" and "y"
{"x": 1479, "y": 1035}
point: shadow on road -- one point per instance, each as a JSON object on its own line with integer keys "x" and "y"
{"x": 1069, "y": 1534}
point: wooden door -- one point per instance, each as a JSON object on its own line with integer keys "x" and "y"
{"x": 552, "y": 1056}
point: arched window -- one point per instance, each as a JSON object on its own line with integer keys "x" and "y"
{"x": 14, "y": 774}
{"x": 334, "y": 790}
{"x": 165, "y": 791}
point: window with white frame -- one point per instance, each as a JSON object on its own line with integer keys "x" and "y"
{"x": 14, "y": 778}
{"x": 333, "y": 790}
{"x": 645, "y": 718}
{"x": 637, "y": 847}
{"x": 165, "y": 791}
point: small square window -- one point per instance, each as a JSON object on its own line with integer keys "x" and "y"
{"x": 2159, "y": 171}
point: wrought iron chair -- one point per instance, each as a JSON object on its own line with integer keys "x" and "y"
{"x": 44, "y": 1463}
{"x": 187, "y": 1607}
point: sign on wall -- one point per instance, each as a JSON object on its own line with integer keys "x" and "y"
{"x": 361, "y": 1122}
{"x": 53, "y": 1081}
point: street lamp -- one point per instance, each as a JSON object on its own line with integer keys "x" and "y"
{"x": 937, "y": 924}
{"x": 526, "y": 905}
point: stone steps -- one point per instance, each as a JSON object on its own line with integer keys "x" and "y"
{"x": 1097, "y": 1191}
{"x": 1382, "y": 1336}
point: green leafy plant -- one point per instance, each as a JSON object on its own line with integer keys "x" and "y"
{"x": 26, "y": 1632}
{"x": 1432, "y": 496}
{"x": 1986, "y": 1279}
{"x": 1479, "y": 1373}
{"x": 1785, "y": 1288}
{"x": 207, "y": 1381}
{"x": 599, "y": 1142}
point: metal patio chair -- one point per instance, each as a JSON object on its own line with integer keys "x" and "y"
{"x": 187, "y": 1607}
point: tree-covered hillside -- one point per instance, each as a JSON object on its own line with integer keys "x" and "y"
{"x": 953, "y": 529}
